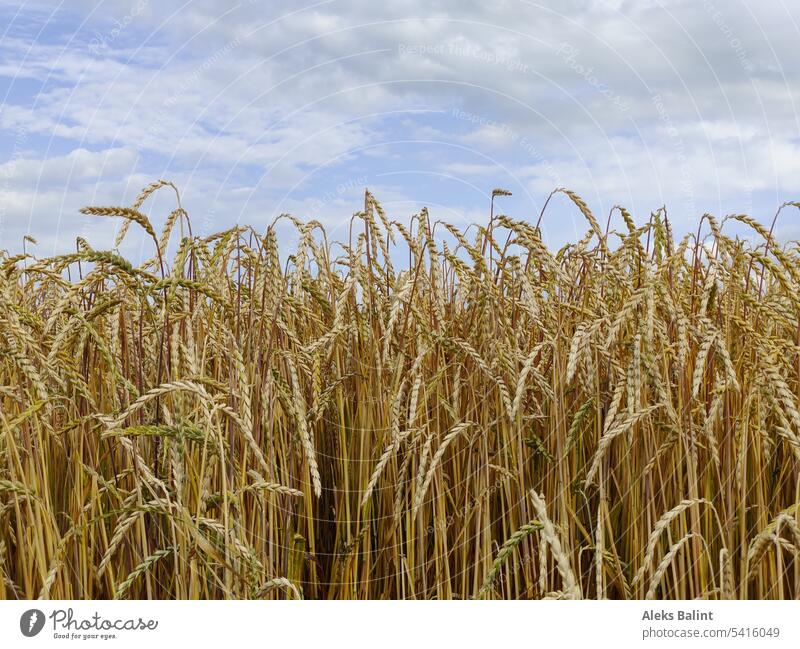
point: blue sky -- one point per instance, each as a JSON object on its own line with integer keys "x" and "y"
{"x": 257, "y": 108}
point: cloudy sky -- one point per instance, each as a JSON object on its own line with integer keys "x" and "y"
{"x": 264, "y": 107}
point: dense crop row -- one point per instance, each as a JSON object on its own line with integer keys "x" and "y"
{"x": 418, "y": 412}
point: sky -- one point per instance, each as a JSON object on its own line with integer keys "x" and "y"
{"x": 259, "y": 108}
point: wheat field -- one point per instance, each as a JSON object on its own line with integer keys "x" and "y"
{"x": 417, "y": 412}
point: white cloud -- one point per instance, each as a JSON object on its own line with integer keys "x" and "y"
{"x": 247, "y": 105}
{"x": 78, "y": 166}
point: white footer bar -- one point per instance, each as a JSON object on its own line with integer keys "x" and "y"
{"x": 300, "y": 624}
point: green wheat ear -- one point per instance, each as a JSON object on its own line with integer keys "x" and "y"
{"x": 297, "y": 559}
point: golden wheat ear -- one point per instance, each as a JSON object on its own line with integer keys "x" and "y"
{"x": 287, "y": 417}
